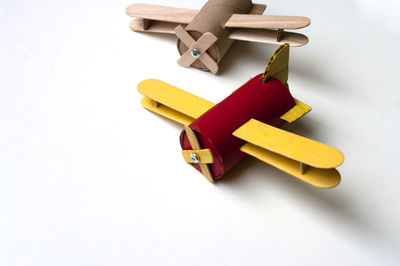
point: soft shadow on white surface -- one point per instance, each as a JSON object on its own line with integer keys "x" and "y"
{"x": 337, "y": 207}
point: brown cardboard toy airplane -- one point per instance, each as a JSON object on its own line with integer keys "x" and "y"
{"x": 204, "y": 36}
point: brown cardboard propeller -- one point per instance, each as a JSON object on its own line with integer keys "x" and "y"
{"x": 204, "y": 36}
{"x": 196, "y": 50}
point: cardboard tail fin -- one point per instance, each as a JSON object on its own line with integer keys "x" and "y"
{"x": 278, "y": 65}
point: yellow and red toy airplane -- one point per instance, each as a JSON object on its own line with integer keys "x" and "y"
{"x": 217, "y": 136}
{"x": 204, "y": 36}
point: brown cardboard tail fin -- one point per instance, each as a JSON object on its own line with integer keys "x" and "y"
{"x": 278, "y": 65}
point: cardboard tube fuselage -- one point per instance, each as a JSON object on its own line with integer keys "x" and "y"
{"x": 212, "y": 18}
{"x": 265, "y": 102}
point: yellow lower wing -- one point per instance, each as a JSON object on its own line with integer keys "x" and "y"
{"x": 165, "y": 111}
{"x": 323, "y": 178}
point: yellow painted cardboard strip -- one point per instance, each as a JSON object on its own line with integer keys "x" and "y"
{"x": 194, "y": 142}
{"x": 176, "y": 99}
{"x": 323, "y": 178}
{"x": 296, "y": 112}
{"x": 290, "y": 145}
{"x": 166, "y": 111}
{"x": 204, "y": 156}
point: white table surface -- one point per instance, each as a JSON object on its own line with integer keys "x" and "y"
{"x": 89, "y": 177}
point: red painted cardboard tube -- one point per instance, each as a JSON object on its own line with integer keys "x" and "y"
{"x": 265, "y": 102}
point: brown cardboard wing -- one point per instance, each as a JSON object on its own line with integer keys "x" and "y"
{"x": 268, "y": 36}
{"x": 267, "y": 22}
{"x": 161, "y": 13}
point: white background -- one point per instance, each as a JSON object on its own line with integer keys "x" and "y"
{"x": 89, "y": 177}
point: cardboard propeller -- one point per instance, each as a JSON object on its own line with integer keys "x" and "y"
{"x": 204, "y": 36}
{"x": 217, "y": 136}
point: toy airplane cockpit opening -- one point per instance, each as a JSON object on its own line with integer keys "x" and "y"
{"x": 204, "y": 36}
{"x": 217, "y": 136}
